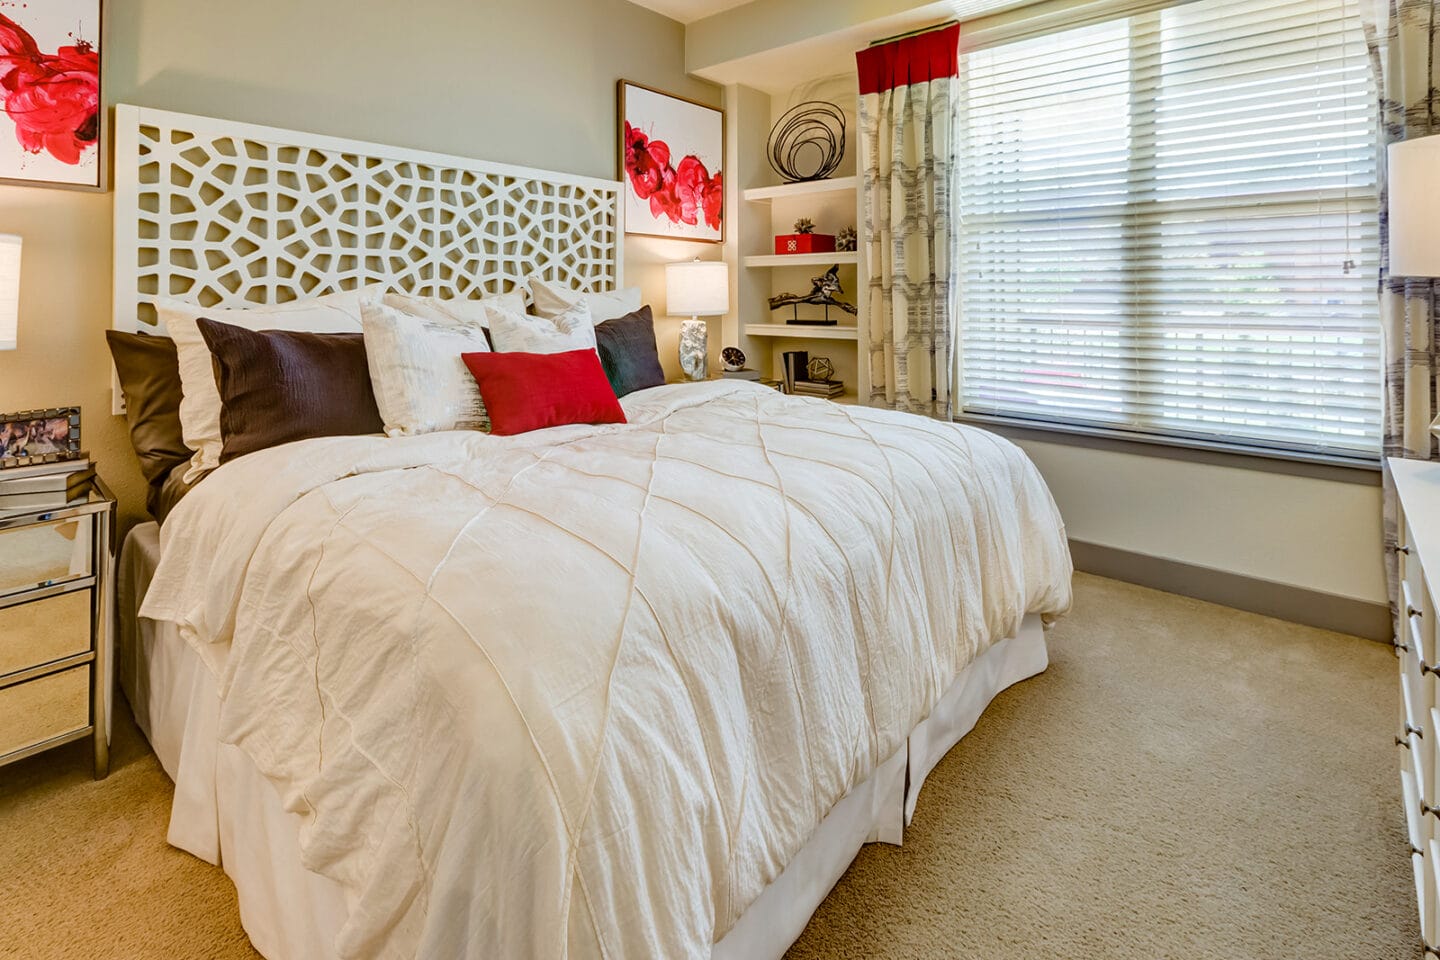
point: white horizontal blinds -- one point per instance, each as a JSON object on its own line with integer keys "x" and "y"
{"x": 1169, "y": 226}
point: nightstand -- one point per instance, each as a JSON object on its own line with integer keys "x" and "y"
{"x": 56, "y": 601}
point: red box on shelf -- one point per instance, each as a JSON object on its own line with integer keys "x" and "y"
{"x": 804, "y": 243}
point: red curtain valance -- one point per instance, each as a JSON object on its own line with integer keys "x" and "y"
{"x": 918, "y": 59}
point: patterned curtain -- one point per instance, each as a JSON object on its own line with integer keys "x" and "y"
{"x": 907, "y": 145}
{"x": 1402, "y": 40}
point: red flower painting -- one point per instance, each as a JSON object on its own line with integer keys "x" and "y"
{"x": 52, "y": 98}
{"x": 667, "y": 185}
{"x": 645, "y": 162}
{"x": 683, "y": 194}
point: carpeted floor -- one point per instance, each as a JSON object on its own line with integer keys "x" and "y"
{"x": 1184, "y": 781}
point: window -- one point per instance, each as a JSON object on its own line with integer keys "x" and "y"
{"x": 1168, "y": 226}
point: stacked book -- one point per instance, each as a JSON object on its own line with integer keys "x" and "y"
{"x": 42, "y": 485}
{"x": 819, "y": 388}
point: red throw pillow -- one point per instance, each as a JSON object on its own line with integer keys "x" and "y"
{"x": 531, "y": 391}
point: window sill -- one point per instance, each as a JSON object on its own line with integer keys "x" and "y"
{"x": 1318, "y": 466}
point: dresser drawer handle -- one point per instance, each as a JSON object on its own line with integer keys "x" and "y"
{"x": 1412, "y": 612}
{"x": 1404, "y": 550}
{"x": 1401, "y": 742}
{"x": 1415, "y": 730}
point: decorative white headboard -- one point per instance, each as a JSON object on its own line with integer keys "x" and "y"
{"x": 232, "y": 214}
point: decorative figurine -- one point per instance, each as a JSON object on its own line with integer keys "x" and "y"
{"x": 733, "y": 358}
{"x": 820, "y": 369}
{"x": 822, "y": 294}
{"x": 812, "y": 131}
{"x": 845, "y": 239}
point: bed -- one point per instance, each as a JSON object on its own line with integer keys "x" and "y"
{"x": 617, "y": 690}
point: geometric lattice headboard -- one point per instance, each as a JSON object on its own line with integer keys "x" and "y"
{"x": 231, "y": 214}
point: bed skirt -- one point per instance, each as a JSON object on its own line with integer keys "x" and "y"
{"x": 227, "y": 813}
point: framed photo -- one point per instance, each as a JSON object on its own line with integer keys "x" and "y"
{"x": 52, "y": 119}
{"x": 671, "y": 149}
{"x": 39, "y": 436}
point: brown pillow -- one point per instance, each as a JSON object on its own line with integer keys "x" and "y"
{"x": 150, "y": 379}
{"x": 277, "y": 386}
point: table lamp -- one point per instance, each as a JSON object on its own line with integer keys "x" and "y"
{"x": 1414, "y": 188}
{"x": 696, "y": 288}
{"x": 9, "y": 290}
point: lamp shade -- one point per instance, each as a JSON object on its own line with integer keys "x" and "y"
{"x": 9, "y": 290}
{"x": 1414, "y": 185}
{"x": 697, "y": 288}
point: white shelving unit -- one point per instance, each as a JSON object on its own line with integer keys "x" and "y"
{"x": 765, "y": 211}
{"x": 809, "y": 188}
{"x": 806, "y": 332}
{"x": 802, "y": 259}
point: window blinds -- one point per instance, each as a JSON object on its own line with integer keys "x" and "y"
{"x": 1168, "y": 226}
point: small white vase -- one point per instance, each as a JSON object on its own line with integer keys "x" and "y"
{"x": 693, "y": 349}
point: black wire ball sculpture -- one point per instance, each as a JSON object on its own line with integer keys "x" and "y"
{"x": 808, "y": 142}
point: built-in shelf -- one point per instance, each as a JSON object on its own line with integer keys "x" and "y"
{"x": 801, "y": 330}
{"x": 802, "y": 259}
{"x": 810, "y": 188}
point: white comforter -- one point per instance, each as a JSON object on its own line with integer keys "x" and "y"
{"x": 584, "y": 692}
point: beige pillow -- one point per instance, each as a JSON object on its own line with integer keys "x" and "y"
{"x": 421, "y": 384}
{"x": 455, "y": 311}
{"x": 200, "y": 400}
{"x": 552, "y": 299}
{"x": 512, "y": 332}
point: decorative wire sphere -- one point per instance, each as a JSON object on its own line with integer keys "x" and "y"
{"x": 808, "y": 142}
{"x": 820, "y": 368}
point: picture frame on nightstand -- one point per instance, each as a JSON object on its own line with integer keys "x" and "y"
{"x": 33, "y": 437}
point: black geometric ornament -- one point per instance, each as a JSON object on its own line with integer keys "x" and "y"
{"x": 808, "y": 142}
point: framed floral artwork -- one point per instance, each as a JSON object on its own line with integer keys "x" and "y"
{"x": 52, "y": 119}
{"x": 670, "y": 154}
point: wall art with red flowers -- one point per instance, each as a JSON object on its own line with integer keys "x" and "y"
{"x": 670, "y": 153}
{"x": 52, "y": 116}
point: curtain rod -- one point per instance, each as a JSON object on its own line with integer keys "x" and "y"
{"x": 914, "y": 33}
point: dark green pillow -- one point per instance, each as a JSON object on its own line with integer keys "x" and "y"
{"x": 628, "y": 353}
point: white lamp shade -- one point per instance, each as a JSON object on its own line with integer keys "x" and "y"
{"x": 1414, "y": 185}
{"x": 697, "y": 288}
{"x": 9, "y": 290}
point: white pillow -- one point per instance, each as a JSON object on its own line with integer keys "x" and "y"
{"x": 200, "y": 397}
{"x": 451, "y": 310}
{"x": 512, "y": 332}
{"x": 421, "y": 384}
{"x": 553, "y": 299}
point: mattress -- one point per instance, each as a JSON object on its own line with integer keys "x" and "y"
{"x": 227, "y": 814}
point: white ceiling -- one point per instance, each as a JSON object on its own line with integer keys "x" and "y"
{"x": 831, "y": 49}
{"x": 687, "y": 11}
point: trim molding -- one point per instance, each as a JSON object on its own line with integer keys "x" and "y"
{"x": 1283, "y": 601}
{"x": 1319, "y": 467}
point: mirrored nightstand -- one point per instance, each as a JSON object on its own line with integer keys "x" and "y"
{"x": 56, "y": 598}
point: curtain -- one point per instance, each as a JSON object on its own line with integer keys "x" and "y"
{"x": 907, "y": 148}
{"x": 1402, "y": 41}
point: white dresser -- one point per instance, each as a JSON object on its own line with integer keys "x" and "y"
{"x": 1418, "y": 730}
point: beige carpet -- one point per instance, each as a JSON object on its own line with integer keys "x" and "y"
{"x": 1184, "y": 781}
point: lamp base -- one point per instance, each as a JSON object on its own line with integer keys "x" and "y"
{"x": 694, "y": 349}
